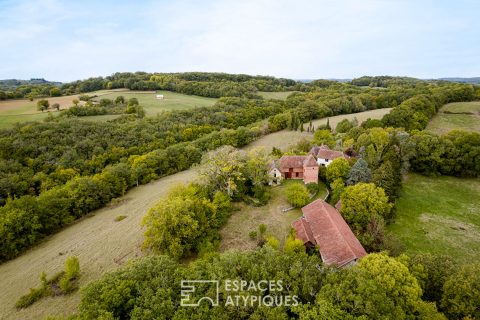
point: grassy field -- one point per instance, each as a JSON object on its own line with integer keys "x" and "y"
{"x": 282, "y": 139}
{"x": 171, "y": 101}
{"x": 235, "y": 234}
{"x": 276, "y": 95}
{"x": 440, "y": 215}
{"x": 443, "y": 122}
{"x": 361, "y": 116}
{"x": 23, "y": 110}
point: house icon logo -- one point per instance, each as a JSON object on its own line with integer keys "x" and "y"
{"x": 190, "y": 299}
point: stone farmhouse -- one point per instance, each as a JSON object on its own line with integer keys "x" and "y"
{"x": 294, "y": 167}
{"x": 303, "y": 167}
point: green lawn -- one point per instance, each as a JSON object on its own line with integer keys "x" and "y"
{"x": 246, "y": 218}
{"x": 440, "y": 215}
{"x": 171, "y": 101}
{"x": 276, "y": 95}
{"x": 443, "y": 122}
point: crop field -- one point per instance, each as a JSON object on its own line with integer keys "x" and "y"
{"x": 439, "y": 215}
{"x": 235, "y": 234}
{"x": 171, "y": 100}
{"x": 456, "y": 118}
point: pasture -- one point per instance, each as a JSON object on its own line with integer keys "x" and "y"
{"x": 439, "y": 215}
{"x": 171, "y": 100}
{"x": 456, "y": 117}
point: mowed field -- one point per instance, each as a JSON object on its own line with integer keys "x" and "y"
{"x": 361, "y": 116}
{"x": 439, "y": 215}
{"x": 171, "y": 100}
{"x": 444, "y": 122}
{"x": 102, "y": 244}
{"x": 23, "y": 110}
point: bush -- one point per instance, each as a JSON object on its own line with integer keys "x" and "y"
{"x": 273, "y": 242}
{"x": 120, "y": 218}
{"x": 30, "y": 298}
{"x": 72, "y": 271}
{"x": 297, "y": 194}
{"x": 262, "y": 194}
{"x": 312, "y": 188}
{"x": 252, "y": 234}
{"x": 262, "y": 228}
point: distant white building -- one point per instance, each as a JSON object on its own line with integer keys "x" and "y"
{"x": 160, "y": 96}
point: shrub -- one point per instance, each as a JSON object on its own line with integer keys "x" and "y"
{"x": 312, "y": 188}
{"x": 120, "y": 218}
{"x": 72, "y": 271}
{"x": 252, "y": 234}
{"x": 30, "y": 298}
{"x": 297, "y": 194}
{"x": 262, "y": 194}
{"x": 262, "y": 228}
{"x": 273, "y": 242}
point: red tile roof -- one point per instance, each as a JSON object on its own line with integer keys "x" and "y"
{"x": 310, "y": 161}
{"x": 324, "y": 152}
{"x": 298, "y": 162}
{"x": 322, "y": 225}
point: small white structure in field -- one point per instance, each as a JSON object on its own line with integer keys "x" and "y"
{"x": 160, "y": 96}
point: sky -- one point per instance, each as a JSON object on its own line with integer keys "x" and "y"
{"x": 70, "y": 40}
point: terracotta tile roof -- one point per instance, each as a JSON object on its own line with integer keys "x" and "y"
{"x": 310, "y": 161}
{"x": 337, "y": 243}
{"x": 298, "y": 162}
{"x": 324, "y": 152}
{"x": 292, "y": 162}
